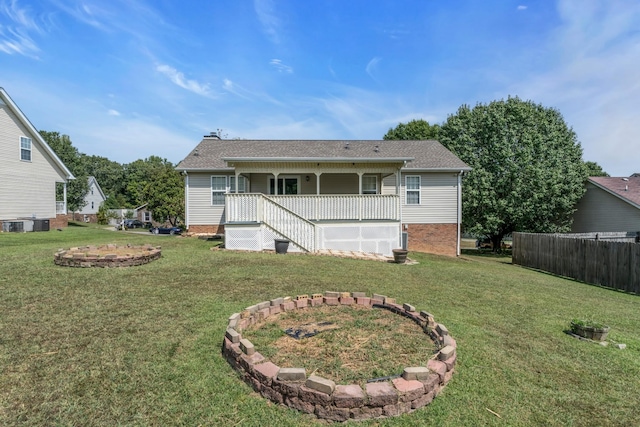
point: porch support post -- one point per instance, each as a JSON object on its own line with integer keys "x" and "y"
{"x": 316, "y": 206}
{"x": 360, "y": 194}
{"x": 64, "y": 192}
{"x": 275, "y": 183}
{"x": 237, "y": 181}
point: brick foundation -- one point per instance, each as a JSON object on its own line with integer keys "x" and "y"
{"x": 206, "y": 229}
{"x": 414, "y": 389}
{"x": 440, "y": 239}
{"x": 60, "y": 221}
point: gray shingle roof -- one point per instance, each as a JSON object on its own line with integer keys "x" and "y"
{"x": 423, "y": 155}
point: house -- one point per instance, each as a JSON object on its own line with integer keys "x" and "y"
{"x": 93, "y": 200}
{"x": 365, "y": 196}
{"x": 29, "y": 173}
{"x": 609, "y": 204}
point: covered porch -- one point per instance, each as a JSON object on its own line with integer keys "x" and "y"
{"x": 316, "y": 206}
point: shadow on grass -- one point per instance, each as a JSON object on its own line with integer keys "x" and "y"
{"x": 77, "y": 224}
{"x": 503, "y": 256}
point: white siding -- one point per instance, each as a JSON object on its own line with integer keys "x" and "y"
{"x": 26, "y": 188}
{"x": 201, "y": 211}
{"x": 95, "y": 198}
{"x": 438, "y": 198}
{"x": 601, "y": 211}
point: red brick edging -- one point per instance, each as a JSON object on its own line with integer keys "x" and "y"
{"x": 99, "y": 256}
{"x": 416, "y": 388}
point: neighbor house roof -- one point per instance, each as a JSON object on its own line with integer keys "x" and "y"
{"x": 627, "y": 189}
{"x": 95, "y": 181}
{"x": 213, "y": 153}
{"x": 6, "y": 99}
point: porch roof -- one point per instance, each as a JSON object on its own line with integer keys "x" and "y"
{"x": 215, "y": 154}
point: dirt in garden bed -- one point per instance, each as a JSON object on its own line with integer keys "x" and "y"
{"x": 363, "y": 343}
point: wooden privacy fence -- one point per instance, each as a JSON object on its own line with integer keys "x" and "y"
{"x": 614, "y": 264}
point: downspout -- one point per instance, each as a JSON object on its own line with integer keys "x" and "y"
{"x": 186, "y": 199}
{"x": 459, "y": 212}
{"x": 398, "y": 192}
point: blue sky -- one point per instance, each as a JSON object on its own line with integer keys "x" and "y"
{"x": 127, "y": 79}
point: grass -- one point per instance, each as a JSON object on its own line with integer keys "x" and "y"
{"x": 367, "y": 343}
{"x": 141, "y": 346}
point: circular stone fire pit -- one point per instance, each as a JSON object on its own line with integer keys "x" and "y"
{"x": 415, "y": 388}
{"x": 107, "y": 256}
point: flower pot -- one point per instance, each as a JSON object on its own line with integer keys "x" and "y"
{"x": 281, "y": 246}
{"x": 589, "y": 332}
{"x": 400, "y": 256}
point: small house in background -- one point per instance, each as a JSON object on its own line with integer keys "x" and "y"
{"x": 366, "y": 196}
{"x": 93, "y": 200}
{"x": 609, "y": 204}
{"x": 29, "y": 172}
{"x": 143, "y": 214}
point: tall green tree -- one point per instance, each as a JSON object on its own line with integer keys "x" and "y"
{"x": 594, "y": 169}
{"x": 165, "y": 195}
{"x": 109, "y": 174}
{"x": 527, "y": 165}
{"x": 414, "y": 130}
{"x": 71, "y": 157}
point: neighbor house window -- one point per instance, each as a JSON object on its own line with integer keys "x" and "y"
{"x": 412, "y": 184}
{"x": 146, "y": 215}
{"x": 369, "y": 184}
{"x": 25, "y": 149}
{"x": 91, "y": 205}
{"x": 242, "y": 184}
{"x": 218, "y": 188}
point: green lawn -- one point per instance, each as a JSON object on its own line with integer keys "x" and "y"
{"x": 141, "y": 345}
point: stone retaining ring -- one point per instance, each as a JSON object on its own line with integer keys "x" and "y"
{"x": 107, "y": 256}
{"x": 415, "y": 388}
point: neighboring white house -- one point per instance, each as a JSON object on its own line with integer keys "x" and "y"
{"x": 93, "y": 200}
{"x": 29, "y": 173}
{"x": 609, "y": 204}
{"x": 318, "y": 194}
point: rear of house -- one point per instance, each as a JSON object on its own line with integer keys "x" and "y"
{"x": 369, "y": 196}
{"x": 28, "y": 175}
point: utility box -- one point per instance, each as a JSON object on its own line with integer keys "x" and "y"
{"x": 40, "y": 225}
{"x": 405, "y": 240}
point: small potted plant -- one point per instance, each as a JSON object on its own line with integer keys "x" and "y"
{"x": 590, "y": 329}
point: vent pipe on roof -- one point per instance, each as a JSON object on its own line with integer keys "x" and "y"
{"x": 377, "y": 148}
{"x": 346, "y": 145}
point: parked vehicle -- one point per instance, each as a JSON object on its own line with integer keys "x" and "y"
{"x": 166, "y": 230}
{"x": 133, "y": 223}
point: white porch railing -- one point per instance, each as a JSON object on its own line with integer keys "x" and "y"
{"x": 61, "y": 208}
{"x": 292, "y": 226}
{"x": 244, "y": 207}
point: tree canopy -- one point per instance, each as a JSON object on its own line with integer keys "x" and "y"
{"x": 527, "y": 165}
{"x": 76, "y": 188}
{"x": 153, "y": 181}
{"x": 414, "y": 130}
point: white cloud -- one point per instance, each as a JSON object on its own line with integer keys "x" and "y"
{"x": 593, "y": 82}
{"x": 522, "y": 7}
{"x": 265, "y": 10}
{"x": 282, "y": 68}
{"x": 113, "y": 113}
{"x": 371, "y": 66}
{"x": 15, "y": 37}
{"x": 179, "y": 79}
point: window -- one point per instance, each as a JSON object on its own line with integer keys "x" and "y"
{"x": 146, "y": 215}
{"x": 218, "y": 188}
{"x": 25, "y": 149}
{"x": 91, "y": 205}
{"x": 412, "y": 184}
{"x": 286, "y": 185}
{"x": 242, "y": 184}
{"x": 369, "y": 184}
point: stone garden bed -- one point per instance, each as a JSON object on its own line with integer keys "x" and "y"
{"x": 416, "y": 387}
{"x": 110, "y": 255}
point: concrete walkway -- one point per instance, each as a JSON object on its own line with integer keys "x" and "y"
{"x": 361, "y": 255}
